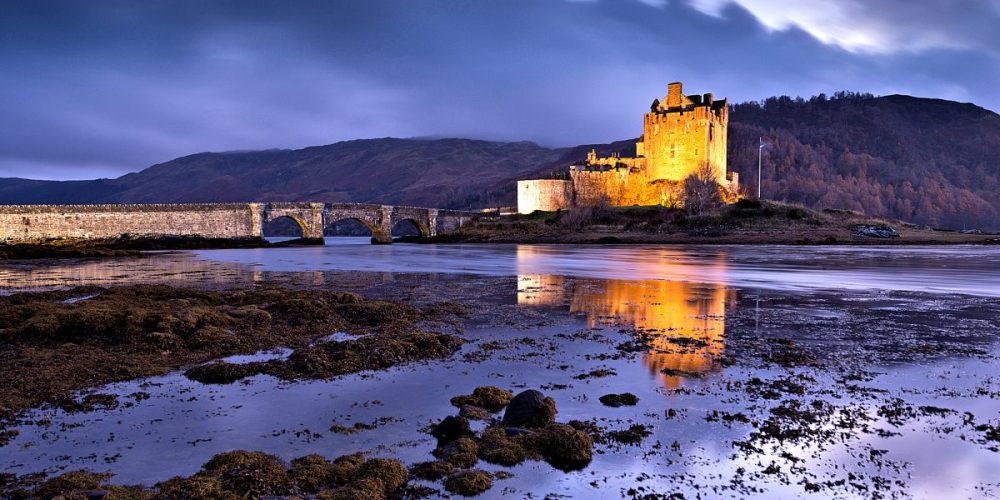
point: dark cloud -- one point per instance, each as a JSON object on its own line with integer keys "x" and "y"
{"x": 99, "y": 88}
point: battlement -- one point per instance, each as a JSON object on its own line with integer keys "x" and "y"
{"x": 677, "y": 104}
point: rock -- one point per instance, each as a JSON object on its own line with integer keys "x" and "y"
{"x": 530, "y": 409}
{"x": 876, "y": 231}
{"x": 616, "y": 400}
{"x": 450, "y": 429}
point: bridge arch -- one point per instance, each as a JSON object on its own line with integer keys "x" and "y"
{"x": 373, "y": 217}
{"x": 308, "y": 216}
{"x": 275, "y": 223}
{"x": 334, "y": 220}
{"x": 422, "y": 230}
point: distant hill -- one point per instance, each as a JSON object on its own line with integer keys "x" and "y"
{"x": 418, "y": 172}
{"x": 930, "y": 161}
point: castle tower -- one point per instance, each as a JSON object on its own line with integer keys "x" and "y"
{"x": 681, "y": 134}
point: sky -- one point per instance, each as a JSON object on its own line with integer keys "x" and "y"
{"x": 94, "y": 89}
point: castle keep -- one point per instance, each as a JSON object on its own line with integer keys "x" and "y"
{"x": 682, "y": 135}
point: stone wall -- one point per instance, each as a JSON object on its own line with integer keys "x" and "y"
{"x": 543, "y": 194}
{"x": 622, "y": 187}
{"x": 37, "y": 223}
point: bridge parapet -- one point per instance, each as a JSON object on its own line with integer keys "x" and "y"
{"x": 37, "y": 223}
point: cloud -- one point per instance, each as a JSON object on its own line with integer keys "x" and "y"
{"x": 880, "y": 26}
{"x": 115, "y": 86}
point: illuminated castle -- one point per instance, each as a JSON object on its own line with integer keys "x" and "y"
{"x": 682, "y": 135}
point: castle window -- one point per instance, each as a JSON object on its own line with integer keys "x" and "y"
{"x": 711, "y": 131}
{"x": 673, "y": 150}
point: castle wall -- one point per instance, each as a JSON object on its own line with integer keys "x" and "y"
{"x": 543, "y": 194}
{"x": 621, "y": 187}
{"x": 36, "y": 223}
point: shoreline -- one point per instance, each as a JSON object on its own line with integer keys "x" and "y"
{"x": 823, "y": 239}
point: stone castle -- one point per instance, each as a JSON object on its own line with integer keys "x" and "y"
{"x": 682, "y": 135}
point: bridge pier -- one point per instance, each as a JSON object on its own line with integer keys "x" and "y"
{"x": 382, "y": 233}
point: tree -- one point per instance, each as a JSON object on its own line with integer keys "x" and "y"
{"x": 702, "y": 190}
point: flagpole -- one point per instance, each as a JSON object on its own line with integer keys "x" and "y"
{"x": 760, "y": 152}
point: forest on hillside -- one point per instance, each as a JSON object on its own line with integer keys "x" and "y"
{"x": 928, "y": 161}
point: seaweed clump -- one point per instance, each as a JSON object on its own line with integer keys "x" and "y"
{"x": 468, "y": 483}
{"x": 488, "y": 397}
{"x": 433, "y": 470}
{"x": 331, "y": 359}
{"x": 243, "y": 474}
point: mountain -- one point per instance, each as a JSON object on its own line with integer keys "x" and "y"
{"x": 930, "y": 161}
{"x": 417, "y": 172}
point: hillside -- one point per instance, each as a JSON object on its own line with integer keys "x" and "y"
{"x": 929, "y": 161}
{"x": 925, "y": 160}
{"x": 393, "y": 171}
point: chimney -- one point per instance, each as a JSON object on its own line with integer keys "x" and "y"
{"x": 674, "y": 94}
{"x": 708, "y": 98}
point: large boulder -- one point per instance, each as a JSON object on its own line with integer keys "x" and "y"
{"x": 530, "y": 409}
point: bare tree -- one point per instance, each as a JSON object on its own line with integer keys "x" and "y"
{"x": 702, "y": 190}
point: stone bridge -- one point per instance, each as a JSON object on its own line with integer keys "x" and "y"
{"x": 314, "y": 218}
{"x": 231, "y": 221}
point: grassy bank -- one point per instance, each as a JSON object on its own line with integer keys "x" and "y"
{"x": 745, "y": 222}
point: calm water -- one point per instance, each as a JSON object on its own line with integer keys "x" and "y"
{"x": 973, "y": 270}
{"x": 858, "y": 303}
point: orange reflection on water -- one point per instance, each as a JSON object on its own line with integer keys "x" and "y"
{"x": 685, "y": 321}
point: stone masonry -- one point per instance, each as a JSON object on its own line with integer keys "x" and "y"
{"x": 235, "y": 221}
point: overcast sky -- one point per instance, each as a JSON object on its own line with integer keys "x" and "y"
{"x": 100, "y": 88}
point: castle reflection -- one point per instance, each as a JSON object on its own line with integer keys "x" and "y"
{"x": 685, "y": 322}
